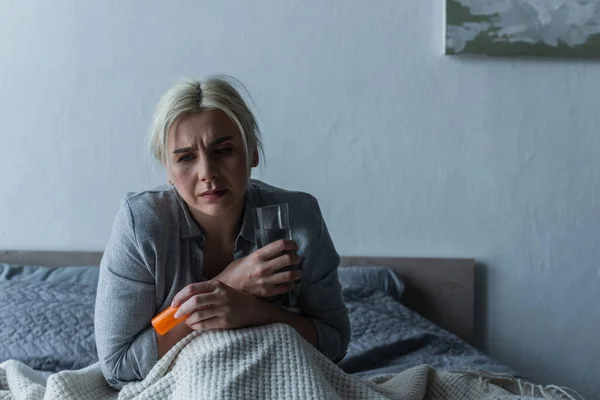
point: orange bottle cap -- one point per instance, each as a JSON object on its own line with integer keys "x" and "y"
{"x": 165, "y": 321}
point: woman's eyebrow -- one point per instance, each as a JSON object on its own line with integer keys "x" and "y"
{"x": 221, "y": 140}
{"x": 183, "y": 150}
{"x": 214, "y": 143}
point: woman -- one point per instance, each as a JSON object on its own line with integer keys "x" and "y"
{"x": 191, "y": 243}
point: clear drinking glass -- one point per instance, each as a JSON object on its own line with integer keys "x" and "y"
{"x": 273, "y": 225}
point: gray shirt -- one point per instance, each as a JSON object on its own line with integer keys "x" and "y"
{"x": 156, "y": 249}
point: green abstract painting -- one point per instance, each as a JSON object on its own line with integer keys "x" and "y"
{"x": 553, "y": 28}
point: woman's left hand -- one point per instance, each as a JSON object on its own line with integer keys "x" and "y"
{"x": 214, "y": 305}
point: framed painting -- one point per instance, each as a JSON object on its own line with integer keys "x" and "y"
{"x": 553, "y": 28}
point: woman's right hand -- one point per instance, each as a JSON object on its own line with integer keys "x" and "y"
{"x": 213, "y": 305}
{"x": 257, "y": 273}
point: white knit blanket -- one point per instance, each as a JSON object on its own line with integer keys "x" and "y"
{"x": 269, "y": 362}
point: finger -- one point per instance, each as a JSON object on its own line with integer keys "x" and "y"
{"x": 201, "y": 315}
{"x": 281, "y": 289}
{"x": 285, "y": 260}
{"x": 269, "y": 268}
{"x": 191, "y": 290}
{"x": 198, "y": 302}
{"x": 284, "y": 277}
{"x": 278, "y": 247}
{"x": 208, "y": 324}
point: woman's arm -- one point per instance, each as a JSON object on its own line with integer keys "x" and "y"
{"x": 324, "y": 318}
{"x": 303, "y": 326}
{"x": 125, "y": 304}
{"x": 320, "y": 299}
{"x": 170, "y": 339}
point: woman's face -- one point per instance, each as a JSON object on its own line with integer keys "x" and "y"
{"x": 207, "y": 162}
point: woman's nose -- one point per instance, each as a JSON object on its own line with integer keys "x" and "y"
{"x": 207, "y": 171}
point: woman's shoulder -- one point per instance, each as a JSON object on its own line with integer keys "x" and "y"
{"x": 270, "y": 195}
{"x": 153, "y": 208}
{"x": 152, "y": 200}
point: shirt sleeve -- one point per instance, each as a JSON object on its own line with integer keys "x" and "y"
{"x": 320, "y": 299}
{"x": 125, "y": 304}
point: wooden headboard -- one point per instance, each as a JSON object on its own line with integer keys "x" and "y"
{"x": 440, "y": 289}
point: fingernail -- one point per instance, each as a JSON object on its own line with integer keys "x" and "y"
{"x": 177, "y": 314}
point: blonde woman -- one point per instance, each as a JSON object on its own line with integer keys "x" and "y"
{"x": 191, "y": 243}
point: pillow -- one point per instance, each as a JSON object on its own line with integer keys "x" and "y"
{"x": 47, "y": 316}
{"x": 380, "y": 278}
{"x": 34, "y": 273}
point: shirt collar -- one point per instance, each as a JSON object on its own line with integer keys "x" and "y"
{"x": 189, "y": 228}
{"x": 249, "y": 219}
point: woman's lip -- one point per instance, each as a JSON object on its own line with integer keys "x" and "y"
{"x": 214, "y": 195}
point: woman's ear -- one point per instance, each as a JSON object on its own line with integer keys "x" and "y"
{"x": 255, "y": 158}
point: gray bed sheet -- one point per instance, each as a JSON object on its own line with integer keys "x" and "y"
{"x": 47, "y": 316}
{"x": 388, "y": 338}
{"x": 46, "y": 321}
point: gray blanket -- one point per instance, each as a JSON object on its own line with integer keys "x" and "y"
{"x": 47, "y": 325}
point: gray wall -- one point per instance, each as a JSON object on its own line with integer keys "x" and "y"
{"x": 411, "y": 153}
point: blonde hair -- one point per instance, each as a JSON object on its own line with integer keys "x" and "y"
{"x": 193, "y": 96}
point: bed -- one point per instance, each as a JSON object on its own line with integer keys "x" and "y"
{"x": 403, "y": 311}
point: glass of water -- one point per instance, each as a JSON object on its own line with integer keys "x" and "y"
{"x": 273, "y": 225}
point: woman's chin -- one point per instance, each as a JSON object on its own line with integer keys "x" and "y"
{"x": 216, "y": 208}
{"x": 215, "y": 211}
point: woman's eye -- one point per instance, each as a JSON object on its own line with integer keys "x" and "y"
{"x": 187, "y": 157}
{"x": 224, "y": 150}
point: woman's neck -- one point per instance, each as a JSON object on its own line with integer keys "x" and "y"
{"x": 222, "y": 229}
